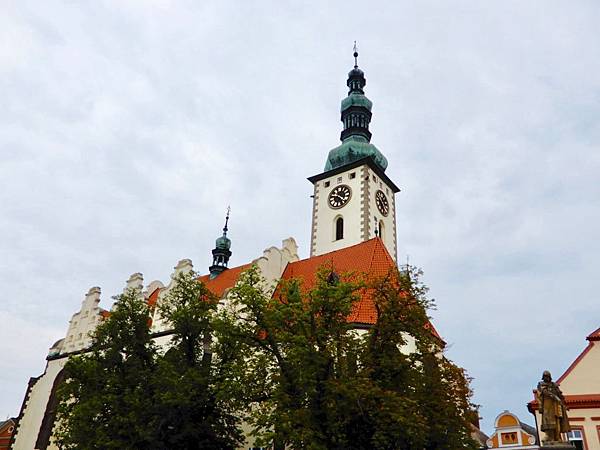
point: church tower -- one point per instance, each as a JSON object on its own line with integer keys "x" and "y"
{"x": 353, "y": 200}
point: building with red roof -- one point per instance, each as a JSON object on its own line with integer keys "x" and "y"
{"x": 580, "y": 384}
{"x": 353, "y": 231}
{"x": 7, "y": 428}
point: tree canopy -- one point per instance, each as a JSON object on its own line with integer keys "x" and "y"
{"x": 281, "y": 361}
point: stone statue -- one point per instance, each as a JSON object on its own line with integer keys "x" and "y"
{"x": 552, "y": 408}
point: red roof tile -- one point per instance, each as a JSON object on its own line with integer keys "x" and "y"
{"x": 153, "y": 297}
{"x": 369, "y": 257}
{"x": 225, "y": 280}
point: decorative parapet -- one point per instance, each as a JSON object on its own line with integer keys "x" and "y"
{"x": 135, "y": 281}
{"x": 183, "y": 266}
{"x": 273, "y": 261}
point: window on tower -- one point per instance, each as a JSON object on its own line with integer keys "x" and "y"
{"x": 381, "y": 228}
{"x": 339, "y": 228}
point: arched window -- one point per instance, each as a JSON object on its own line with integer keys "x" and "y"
{"x": 339, "y": 228}
{"x": 381, "y": 228}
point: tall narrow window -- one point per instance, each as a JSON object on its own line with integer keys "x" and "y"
{"x": 381, "y": 229}
{"x": 339, "y": 228}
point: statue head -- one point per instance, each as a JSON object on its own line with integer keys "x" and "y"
{"x": 546, "y": 376}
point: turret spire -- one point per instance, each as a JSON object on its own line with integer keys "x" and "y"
{"x": 356, "y": 117}
{"x": 221, "y": 253}
{"x": 225, "y": 229}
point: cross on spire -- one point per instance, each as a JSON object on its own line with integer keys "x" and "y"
{"x": 355, "y": 55}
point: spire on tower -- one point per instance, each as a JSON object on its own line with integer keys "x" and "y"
{"x": 356, "y": 117}
{"x": 221, "y": 253}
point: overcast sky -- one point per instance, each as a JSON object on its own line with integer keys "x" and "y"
{"x": 126, "y": 128}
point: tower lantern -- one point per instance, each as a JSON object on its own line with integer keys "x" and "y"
{"x": 221, "y": 253}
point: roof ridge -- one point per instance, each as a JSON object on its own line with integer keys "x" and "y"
{"x": 229, "y": 268}
{"x": 373, "y": 253}
{"x": 594, "y": 335}
{"x": 334, "y": 251}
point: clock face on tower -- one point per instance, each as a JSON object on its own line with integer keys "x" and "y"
{"x": 382, "y": 203}
{"x": 339, "y": 196}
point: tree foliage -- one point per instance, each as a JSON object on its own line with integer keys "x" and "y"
{"x": 107, "y": 400}
{"x": 125, "y": 394}
{"x": 285, "y": 360}
{"x": 193, "y": 406}
{"x": 319, "y": 383}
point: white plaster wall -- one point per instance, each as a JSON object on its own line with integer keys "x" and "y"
{"x": 158, "y": 324}
{"x": 83, "y": 323}
{"x": 33, "y": 414}
{"x": 389, "y": 221}
{"x": 274, "y": 260}
{"x": 323, "y": 233}
{"x": 324, "y": 215}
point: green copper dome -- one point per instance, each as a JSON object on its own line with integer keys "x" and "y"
{"x": 356, "y": 117}
{"x": 356, "y": 99}
{"x": 352, "y": 150}
{"x": 223, "y": 243}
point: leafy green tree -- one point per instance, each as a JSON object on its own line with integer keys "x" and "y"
{"x": 315, "y": 382}
{"x": 193, "y": 407}
{"x": 126, "y": 394}
{"x": 284, "y": 359}
{"x": 106, "y": 399}
{"x": 405, "y": 362}
{"x": 298, "y": 354}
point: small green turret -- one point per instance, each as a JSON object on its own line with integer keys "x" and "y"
{"x": 356, "y": 117}
{"x": 221, "y": 253}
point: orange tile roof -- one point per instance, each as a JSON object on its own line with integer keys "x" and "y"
{"x": 153, "y": 297}
{"x": 225, "y": 280}
{"x": 369, "y": 257}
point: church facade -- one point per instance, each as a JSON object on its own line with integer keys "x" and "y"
{"x": 353, "y": 228}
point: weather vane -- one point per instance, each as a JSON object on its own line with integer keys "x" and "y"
{"x": 355, "y": 55}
